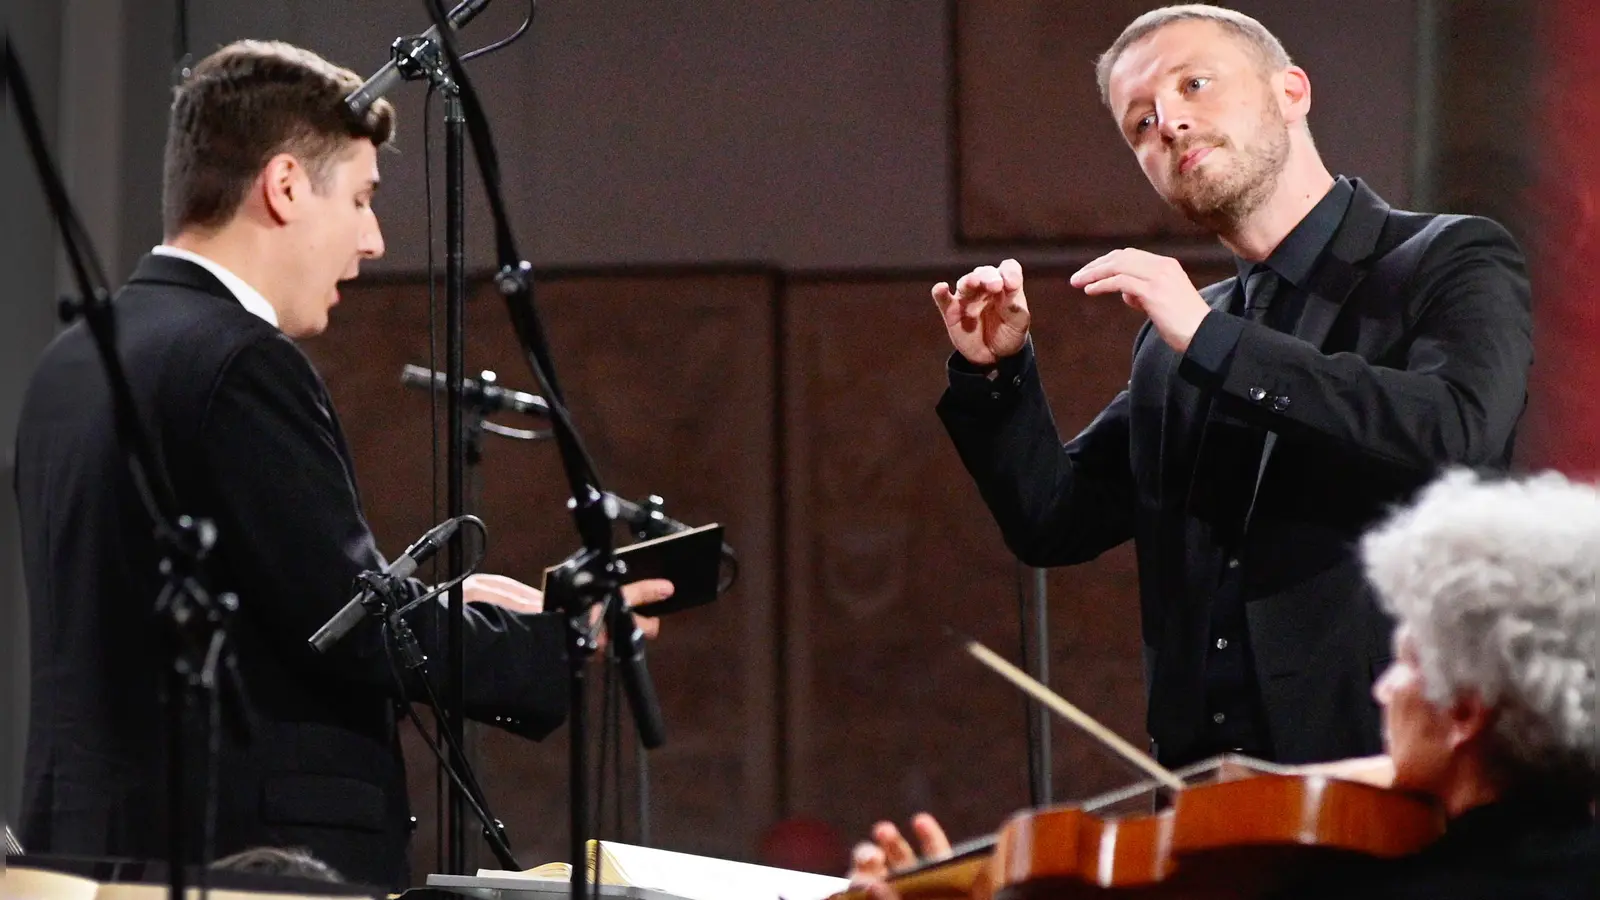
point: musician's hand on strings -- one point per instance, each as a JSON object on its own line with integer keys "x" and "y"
{"x": 930, "y": 839}
{"x": 890, "y": 852}
{"x": 1377, "y": 771}
{"x": 867, "y": 864}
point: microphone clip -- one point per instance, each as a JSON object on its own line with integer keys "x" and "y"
{"x": 419, "y": 57}
{"x": 377, "y": 592}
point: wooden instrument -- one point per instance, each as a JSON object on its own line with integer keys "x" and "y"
{"x": 1231, "y": 827}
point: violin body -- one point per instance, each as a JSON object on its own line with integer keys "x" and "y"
{"x": 1250, "y": 831}
{"x": 1237, "y": 839}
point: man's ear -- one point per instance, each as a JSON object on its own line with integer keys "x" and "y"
{"x": 283, "y": 185}
{"x": 1470, "y": 719}
{"x": 1294, "y": 93}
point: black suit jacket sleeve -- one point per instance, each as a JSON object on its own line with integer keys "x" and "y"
{"x": 292, "y": 529}
{"x": 1056, "y": 504}
{"x": 1453, "y": 397}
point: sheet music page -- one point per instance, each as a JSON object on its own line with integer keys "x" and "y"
{"x": 37, "y": 884}
{"x": 705, "y": 878}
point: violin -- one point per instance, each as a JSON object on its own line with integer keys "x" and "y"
{"x": 1240, "y": 828}
{"x": 1231, "y": 827}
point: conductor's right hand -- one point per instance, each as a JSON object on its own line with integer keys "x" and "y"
{"x": 987, "y": 314}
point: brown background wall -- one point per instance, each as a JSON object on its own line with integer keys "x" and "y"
{"x": 1040, "y": 161}
{"x": 798, "y": 412}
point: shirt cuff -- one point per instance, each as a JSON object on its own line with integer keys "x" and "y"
{"x": 974, "y": 387}
{"x": 1211, "y": 350}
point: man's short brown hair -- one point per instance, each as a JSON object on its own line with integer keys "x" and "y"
{"x": 1264, "y": 44}
{"x": 245, "y": 104}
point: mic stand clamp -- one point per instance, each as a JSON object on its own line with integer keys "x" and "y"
{"x": 479, "y": 424}
{"x": 198, "y": 622}
{"x": 418, "y": 57}
{"x": 381, "y": 601}
{"x": 582, "y": 581}
{"x": 200, "y": 665}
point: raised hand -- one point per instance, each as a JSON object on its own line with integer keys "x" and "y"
{"x": 1154, "y": 285}
{"x": 987, "y": 314}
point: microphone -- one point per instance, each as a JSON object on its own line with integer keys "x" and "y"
{"x": 384, "y": 80}
{"x": 423, "y": 550}
{"x": 357, "y": 608}
{"x": 648, "y": 520}
{"x": 486, "y": 396}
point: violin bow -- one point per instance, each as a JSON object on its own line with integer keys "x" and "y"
{"x": 1076, "y": 716}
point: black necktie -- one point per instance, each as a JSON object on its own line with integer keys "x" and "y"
{"x": 1258, "y": 290}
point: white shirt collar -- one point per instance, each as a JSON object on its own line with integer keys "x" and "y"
{"x": 248, "y": 297}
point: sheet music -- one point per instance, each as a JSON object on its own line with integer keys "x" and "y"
{"x": 705, "y": 878}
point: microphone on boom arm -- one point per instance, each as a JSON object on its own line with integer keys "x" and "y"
{"x": 485, "y": 396}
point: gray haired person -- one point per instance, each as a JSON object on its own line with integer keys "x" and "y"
{"x": 1490, "y": 703}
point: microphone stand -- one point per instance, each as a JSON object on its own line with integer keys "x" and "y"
{"x": 1032, "y": 606}
{"x": 455, "y": 417}
{"x": 455, "y": 426}
{"x": 589, "y": 577}
{"x": 417, "y": 58}
{"x": 202, "y": 662}
{"x": 641, "y": 759}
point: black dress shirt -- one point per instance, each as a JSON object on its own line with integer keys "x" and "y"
{"x": 1273, "y": 293}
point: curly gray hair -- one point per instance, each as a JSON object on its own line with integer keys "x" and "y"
{"x": 1496, "y": 581}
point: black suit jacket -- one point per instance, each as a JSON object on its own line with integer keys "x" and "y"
{"x": 1520, "y": 848}
{"x": 247, "y": 435}
{"x": 1411, "y": 354}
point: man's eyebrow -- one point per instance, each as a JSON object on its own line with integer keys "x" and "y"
{"x": 1175, "y": 69}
